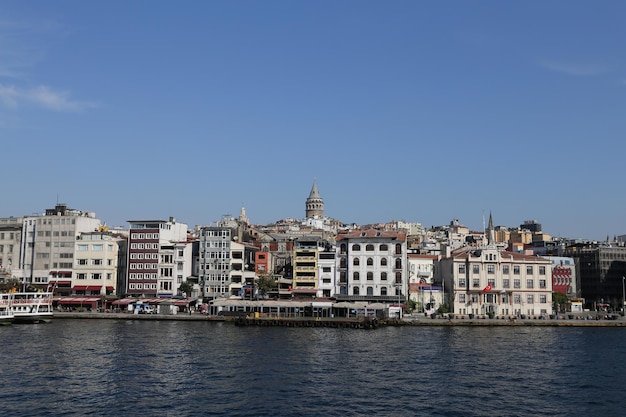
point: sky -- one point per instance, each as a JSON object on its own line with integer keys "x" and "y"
{"x": 421, "y": 111}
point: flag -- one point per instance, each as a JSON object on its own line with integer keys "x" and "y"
{"x": 487, "y": 288}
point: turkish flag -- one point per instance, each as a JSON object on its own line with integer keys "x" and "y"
{"x": 487, "y": 288}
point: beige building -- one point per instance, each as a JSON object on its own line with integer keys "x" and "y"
{"x": 490, "y": 281}
{"x": 95, "y": 264}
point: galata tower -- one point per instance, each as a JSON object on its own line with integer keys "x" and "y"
{"x": 314, "y": 204}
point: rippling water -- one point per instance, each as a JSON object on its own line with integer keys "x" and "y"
{"x": 169, "y": 368}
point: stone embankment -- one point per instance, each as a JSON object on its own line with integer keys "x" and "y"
{"x": 576, "y": 321}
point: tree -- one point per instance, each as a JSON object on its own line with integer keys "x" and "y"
{"x": 186, "y": 287}
{"x": 560, "y": 302}
{"x": 266, "y": 283}
{"x": 10, "y": 284}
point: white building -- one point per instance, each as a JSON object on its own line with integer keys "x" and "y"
{"x": 95, "y": 264}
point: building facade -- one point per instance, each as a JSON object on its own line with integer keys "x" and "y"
{"x": 490, "y": 281}
{"x": 372, "y": 266}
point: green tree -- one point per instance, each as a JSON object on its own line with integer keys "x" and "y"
{"x": 186, "y": 288}
{"x": 9, "y": 284}
{"x": 560, "y": 302}
{"x": 266, "y": 283}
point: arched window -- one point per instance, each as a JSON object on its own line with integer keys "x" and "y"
{"x": 355, "y": 276}
{"x": 383, "y": 291}
{"x": 356, "y": 247}
{"x": 369, "y": 247}
{"x": 370, "y": 276}
{"x": 398, "y": 249}
{"x": 342, "y": 248}
{"x": 384, "y": 247}
{"x": 370, "y": 262}
{"x": 370, "y": 290}
{"x": 398, "y": 263}
{"x": 342, "y": 263}
{"x": 355, "y": 262}
{"x": 383, "y": 261}
{"x": 398, "y": 277}
{"x": 383, "y": 276}
{"x": 355, "y": 291}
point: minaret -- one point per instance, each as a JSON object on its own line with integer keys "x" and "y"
{"x": 492, "y": 231}
{"x": 315, "y": 203}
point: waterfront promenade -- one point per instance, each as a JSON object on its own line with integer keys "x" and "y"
{"x": 588, "y": 320}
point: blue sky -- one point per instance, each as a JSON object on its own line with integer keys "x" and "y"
{"x": 409, "y": 110}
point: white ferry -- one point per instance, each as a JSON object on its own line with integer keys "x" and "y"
{"x": 32, "y": 307}
{"x": 6, "y": 312}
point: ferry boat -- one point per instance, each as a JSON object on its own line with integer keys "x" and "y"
{"x": 32, "y": 307}
{"x": 6, "y": 312}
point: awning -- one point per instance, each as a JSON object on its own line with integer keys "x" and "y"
{"x": 110, "y": 288}
{"x": 87, "y": 287}
{"x": 59, "y": 282}
{"x": 304, "y": 291}
{"x": 124, "y": 301}
{"x": 78, "y": 300}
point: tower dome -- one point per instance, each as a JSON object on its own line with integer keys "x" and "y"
{"x": 315, "y": 203}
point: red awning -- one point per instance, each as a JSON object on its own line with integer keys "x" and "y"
{"x": 87, "y": 288}
{"x": 59, "y": 282}
{"x": 110, "y": 288}
{"x": 79, "y": 300}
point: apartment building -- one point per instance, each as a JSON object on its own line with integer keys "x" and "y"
{"x": 46, "y": 257}
{"x": 372, "y": 266}
{"x": 214, "y": 261}
{"x": 152, "y": 250}
{"x": 95, "y": 264}
{"x": 10, "y": 238}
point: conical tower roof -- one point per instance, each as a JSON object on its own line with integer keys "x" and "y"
{"x": 314, "y": 192}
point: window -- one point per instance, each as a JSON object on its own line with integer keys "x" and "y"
{"x": 542, "y": 283}
{"x": 461, "y": 298}
{"x": 491, "y": 282}
{"x": 81, "y": 276}
{"x": 516, "y": 269}
{"x": 383, "y": 261}
{"x": 370, "y": 277}
{"x": 517, "y": 283}
{"x": 355, "y": 291}
{"x": 370, "y": 290}
{"x": 96, "y": 261}
{"x": 355, "y": 262}
{"x": 356, "y": 247}
{"x": 475, "y": 283}
{"x": 383, "y": 276}
{"x": 542, "y": 270}
{"x": 96, "y": 276}
{"x": 491, "y": 269}
{"x": 82, "y": 247}
{"x": 543, "y": 299}
{"x": 383, "y": 291}
{"x": 462, "y": 269}
{"x": 474, "y": 298}
{"x": 517, "y": 299}
{"x": 529, "y": 283}
{"x": 355, "y": 276}
{"x": 82, "y": 261}
{"x": 506, "y": 283}
{"x": 370, "y": 262}
{"x": 530, "y": 299}
{"x": 475, "y": 269}
{"x": 97, "y": 248}
{"x": 462, "y": 282}
{"x": 505, "y": 269}
{"x": 529, "y": 270}
{"x": 383, "y": 248}
{"x": 369, "y": 248}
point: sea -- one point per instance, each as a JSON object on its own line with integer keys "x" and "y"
{"x": 85, "y": 367}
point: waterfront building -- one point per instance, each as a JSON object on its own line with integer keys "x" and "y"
{"x": 241, "y": 270}
{"x": 327, "y": 266}
{"x": 10, "y": 238}
{"x": 151, "y": 251}
{"x": 423, "y": 290}
{"x": 602, "y": 270}
{"x": 490, "y": 281}
{"x": 95, "y": 264}
{"x": 305, "y": 267}
{"x": 371, "y": 266}
{"x": 214, "y": 261}
{"x": 46, "y": 258}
